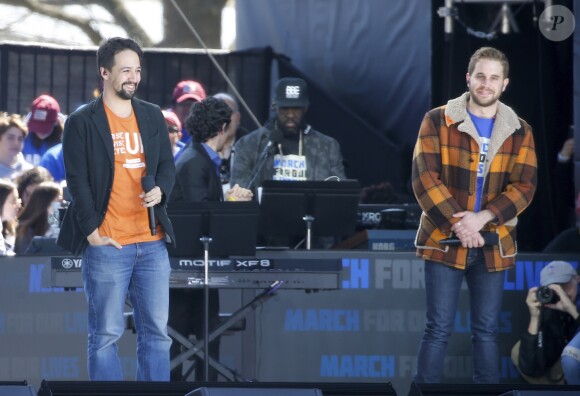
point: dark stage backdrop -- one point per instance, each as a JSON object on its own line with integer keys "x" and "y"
{"x": 540, "y": 91}
{"x": 368, "y": 60}
{"x": 389, "y": 62}
{"x": 366, "y": 332}
{"x": 577, "y": 107}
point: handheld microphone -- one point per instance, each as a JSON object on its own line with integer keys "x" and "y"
{"x": 276, "y": 136}
{"x": 148, "y": 184}
{"x": 489, "y": 238}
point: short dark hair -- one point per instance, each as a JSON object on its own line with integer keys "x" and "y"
{"x": 489, "y": 53}
{"x": 206, "y": 118}
{"x": 111, "y": 47}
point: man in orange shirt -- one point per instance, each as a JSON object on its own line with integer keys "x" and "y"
{"x": 110, "y": 145}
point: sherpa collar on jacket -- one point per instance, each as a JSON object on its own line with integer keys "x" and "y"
{"x": 506, "y": 121}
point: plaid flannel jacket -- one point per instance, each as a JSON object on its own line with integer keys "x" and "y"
{"x": 445, "y": 163}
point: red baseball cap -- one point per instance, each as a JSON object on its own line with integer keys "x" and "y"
{"x": 43, "y": 114}
{"x": 188, "y": 89}
{"x": 171, "y": 119}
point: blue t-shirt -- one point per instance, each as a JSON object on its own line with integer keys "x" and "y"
{"x": 33, "y": 154}
{"x": 53, "y": 161}
{"x": 484, "y": 127}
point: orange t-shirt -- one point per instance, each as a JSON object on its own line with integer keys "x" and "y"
{"x": 126, "y": 220}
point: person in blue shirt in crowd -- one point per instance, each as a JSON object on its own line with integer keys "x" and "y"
{"x": 185, "y": 94}
{"x": 13, "y": 131}
{"x": 45, "y": 126}
{"x": 53, "y": 161}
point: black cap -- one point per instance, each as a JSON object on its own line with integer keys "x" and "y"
{"x": 291, "y": 92}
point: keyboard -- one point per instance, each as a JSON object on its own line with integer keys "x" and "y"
{"x": 289, "y": 271}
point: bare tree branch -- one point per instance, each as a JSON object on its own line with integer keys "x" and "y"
{"x": 57, "y": 13}
{"x": 114, "y": 7}
{"x": 205, "y": 15}
{"x": 126, "y": 19}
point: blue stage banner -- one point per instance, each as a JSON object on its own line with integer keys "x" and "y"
{"x": 368, "y": 331}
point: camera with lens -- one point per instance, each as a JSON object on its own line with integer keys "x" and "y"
{"x": 545, "y": 295}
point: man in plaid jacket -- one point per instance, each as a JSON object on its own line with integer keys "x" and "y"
{"x": 474, "y": 171}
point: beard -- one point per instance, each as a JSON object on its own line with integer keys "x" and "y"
{"x": 124, "y": 94}
{"x": 289, "y": 131}
{"x": 489, "y": 101}
{"x": 294, "y": 131}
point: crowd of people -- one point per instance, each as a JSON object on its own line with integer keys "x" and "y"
{"x": 118, "y": 163}
{"x": 27, "y": 213}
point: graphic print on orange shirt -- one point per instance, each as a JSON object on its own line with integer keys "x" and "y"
{"x": 126, "y": 219}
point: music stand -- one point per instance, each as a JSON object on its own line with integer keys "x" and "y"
{"x": 219, "y": 229}
{"x": 323, "y": 208}
{"x": 231, "y": 225}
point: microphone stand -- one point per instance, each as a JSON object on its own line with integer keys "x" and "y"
{"x": 206, "y": 241}
{"x": 261, "y": 162}
{"x": 308, "y": 219}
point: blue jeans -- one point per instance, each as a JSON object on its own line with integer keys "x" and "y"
{"x": 442, "y": 285}
{"x": 142, "y": 270}
{"x": 571, "y": 361}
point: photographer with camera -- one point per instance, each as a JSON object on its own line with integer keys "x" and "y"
{"x": 554, "y": 320}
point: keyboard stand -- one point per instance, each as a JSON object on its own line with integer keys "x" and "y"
{"x": 197, "y": 348}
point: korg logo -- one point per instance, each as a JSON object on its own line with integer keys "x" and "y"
{"x": 370, "y": 218}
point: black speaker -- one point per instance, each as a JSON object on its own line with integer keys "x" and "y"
{"x": 418, "y": 389}
{"x": 138, "y": 388}
{"x": 254, "y": 392}
{"x": 16, "y": 388}
{"x": 113, "y": 388}
{"x": 278, "y": 388}
{"x": 554, "y": 392}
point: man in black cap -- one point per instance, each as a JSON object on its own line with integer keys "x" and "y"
{"x": 298, "y": 152}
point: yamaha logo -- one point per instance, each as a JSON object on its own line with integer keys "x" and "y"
{"x": 67, "y": 264}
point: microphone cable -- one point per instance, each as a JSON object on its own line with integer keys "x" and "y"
{"x": 216, "y": 64}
